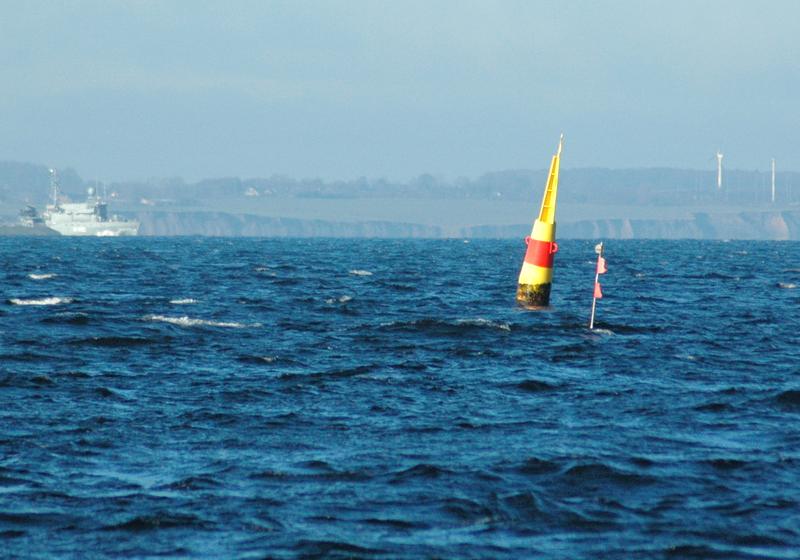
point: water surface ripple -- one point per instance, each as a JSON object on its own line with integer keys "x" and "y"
{"x": 388, "y": 399}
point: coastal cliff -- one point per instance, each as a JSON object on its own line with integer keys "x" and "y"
{"x": 701, "y": 225}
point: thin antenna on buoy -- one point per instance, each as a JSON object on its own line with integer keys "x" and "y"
{"x": 601, "y": 269}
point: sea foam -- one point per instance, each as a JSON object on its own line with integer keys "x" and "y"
{"x": 41, "y": 301}
{"x": 190, "y": 322}
{"x": 46, "y": 276}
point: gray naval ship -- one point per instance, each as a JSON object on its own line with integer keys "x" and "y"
{"x": 84, "y": 218}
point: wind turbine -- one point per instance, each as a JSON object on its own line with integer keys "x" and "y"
{"x": 719, "y": 170}
{"x": 773, "y": 180}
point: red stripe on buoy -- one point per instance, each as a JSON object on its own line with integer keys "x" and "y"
{"x": 540, "y": 253}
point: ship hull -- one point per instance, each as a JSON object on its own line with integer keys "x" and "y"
{"x": 95, "y": 229}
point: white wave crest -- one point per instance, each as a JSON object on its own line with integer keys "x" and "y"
{"x": 47, "y": 276}
{"x": 190, "y": 322}
{"x": 41, "y": 301}
{"x": 183, "y": 301}
{"x": 358, "y": 272}
{"x": 340, "y": 299}
{"x": 480, "y": 322}
{"x": 787, "y": 285}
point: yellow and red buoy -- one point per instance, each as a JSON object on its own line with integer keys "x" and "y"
{"x": 536, "y": 275}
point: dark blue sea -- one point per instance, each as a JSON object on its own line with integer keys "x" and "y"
{"x": 276, "y": 398}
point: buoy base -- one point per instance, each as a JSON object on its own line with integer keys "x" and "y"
{"x": 534, "y": 295}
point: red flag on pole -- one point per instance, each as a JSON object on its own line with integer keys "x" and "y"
{"x": 600, "y": 269}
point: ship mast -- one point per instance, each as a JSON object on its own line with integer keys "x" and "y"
{"x": 54, "y": 186}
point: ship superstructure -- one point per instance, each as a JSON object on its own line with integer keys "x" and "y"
{"x": 84, "y": 218}
{"x": 29, "y": 217}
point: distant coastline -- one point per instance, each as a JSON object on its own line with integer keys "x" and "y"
{"x": 741, "y": 225}
{"x": 25, "y": 231}
{"x": 655, "y": 203}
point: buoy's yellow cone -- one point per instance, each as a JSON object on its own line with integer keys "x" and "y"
{"x": 536, "y": 275}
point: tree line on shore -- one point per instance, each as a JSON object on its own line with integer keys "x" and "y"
{"x": 29, "y": 183}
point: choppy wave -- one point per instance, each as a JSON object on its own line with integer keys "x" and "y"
{"x": 416, "y": 413}
{"x": 787, "y": 285}
{"x": 340, "y": 299}
{"x": 44, "y": 276}
{"x": 183, "y": 301}
{"x": 359, "y": 272}
{"x": 76, "y": 318}
{"x": 789, "y": 398}
{"x": 536, "y": 386}
{"x": 262, "y": 360}
{"x": 442, "y": 327}
{"x": 163, "y": 520}
{"x": 480, "y": 322}
{"x": 41, "y": 301}
{"x": 115, "y": 341}
{"x": 192, "y": 322}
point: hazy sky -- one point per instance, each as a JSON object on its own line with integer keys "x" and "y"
{"x": 341, "y": 89}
